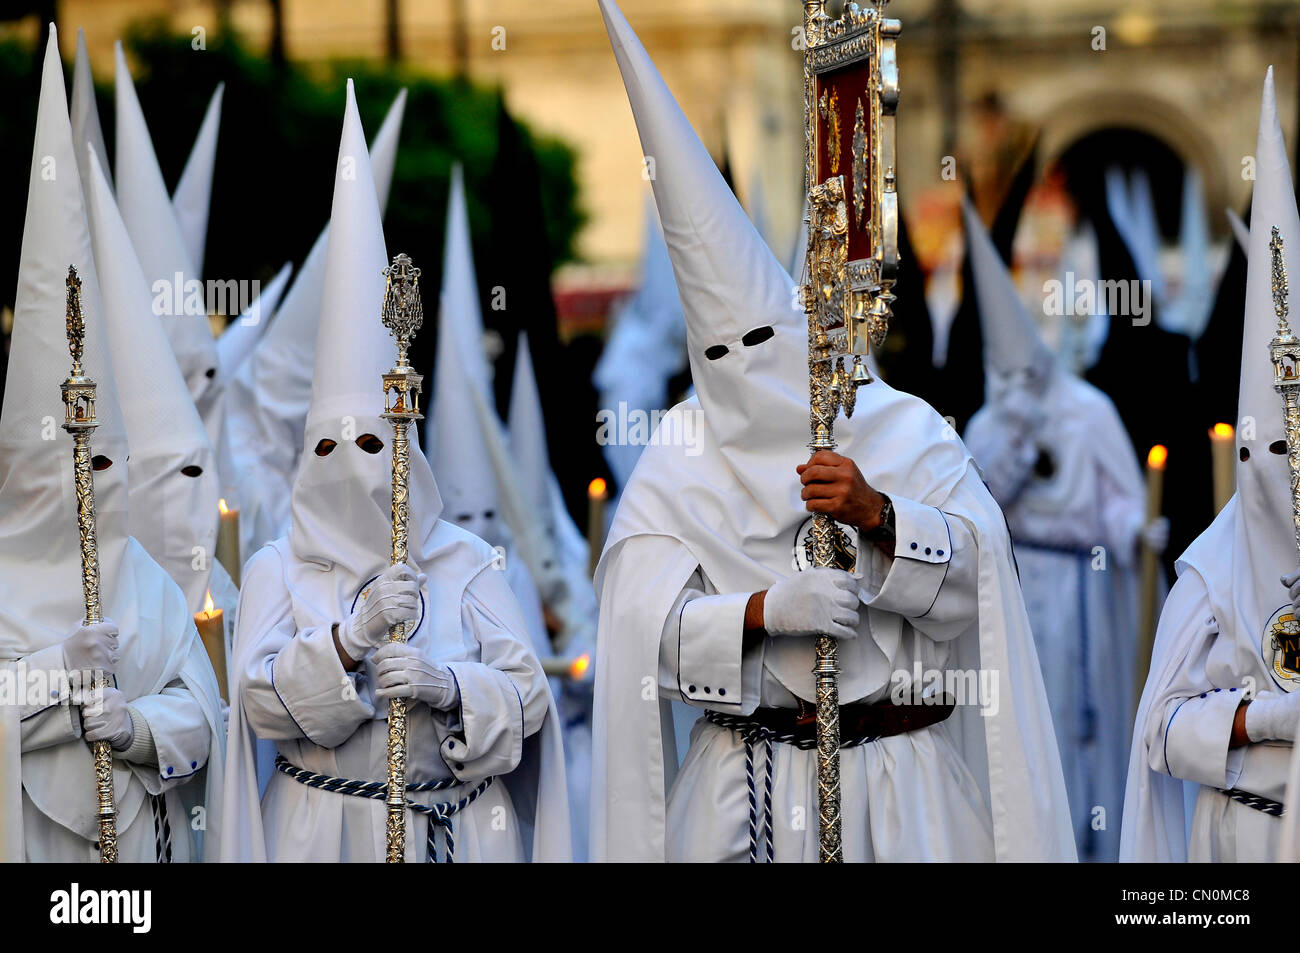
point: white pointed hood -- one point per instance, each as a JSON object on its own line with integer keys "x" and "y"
{"x": 527, "y": 427}
{"x": 649, "y": 335}
{"x": 40, "y": 559}
{"x": 173, "y": 468}
{"x": 755, "y": 397}
{"x": 341, "y": 505}
{"x": 160, "y": 245}
{"x": 86, "y": 130}
{"x": 1014, "y": 350}
{"x": 1145, "y": 232}
{"x": 242, "y": 334}
{"x": 1251, "y": 543}
{"x": 1188, "y": 313}
{"x": 38, "y": 523}
{"x": 193, "y": 196}
{"x": 1263, "y": 480}
{"x": 267, "y": 399}
{"x": 457, "y": 448}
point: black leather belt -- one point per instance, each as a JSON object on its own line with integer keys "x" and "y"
{"x": 859, "y": 724}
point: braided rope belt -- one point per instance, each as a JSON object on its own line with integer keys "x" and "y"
{"x": 440, "y": 815}
{"x": 1258, "y": 802}
{"x": 162, "y": 829}
{"x": 753, "y": 733}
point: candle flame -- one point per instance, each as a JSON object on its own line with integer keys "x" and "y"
{"x": 1223, "y": 430}
{"x": 579, "y": 666}
{"x": 1157, "y": 457}
{"x": 207, "y": 604}
{"x": 221, "y": 505}
{"x": 596, "y": 487}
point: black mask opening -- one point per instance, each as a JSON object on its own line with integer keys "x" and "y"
{"x": 370, "y": 443}
{"x": 325, "y": 447}
{"x": 1244, "y": 455}
{"x": 193, "y": 470}
{"x": 715, "y": 352}
{"x": 757, "y": 336}
{"x": 210, "y": 373}
{"x": 1044, "y": 466}
{"x": 100, "y": 462}
{"x": 1278, "y": 447}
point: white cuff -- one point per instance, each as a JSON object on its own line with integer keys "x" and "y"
{"x": 909, "y": 583}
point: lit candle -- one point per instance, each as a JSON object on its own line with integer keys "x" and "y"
{"x": 228, "y": 540}
{"x": 1225, "y": 474}
{"x": 574, "y": 668}
{"x": 1146, "y": 633}
{"x": 595, "y": 522}
{"x": 212, "y": 630}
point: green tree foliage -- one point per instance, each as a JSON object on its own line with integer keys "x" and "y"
{"x": 278, "y": 146}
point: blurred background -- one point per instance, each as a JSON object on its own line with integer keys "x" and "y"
{"x": 1028, "y": 104}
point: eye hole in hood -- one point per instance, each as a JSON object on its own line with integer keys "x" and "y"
{"x": 325, "y": 447}
{"x": 193, "y": 470}
{"x": 1278, "y": 447}
{"x": 100, "y": 462}
{"x": 715, "y": 352}
{"x": 757, "y": 336}
{"x": 370, "y": 443}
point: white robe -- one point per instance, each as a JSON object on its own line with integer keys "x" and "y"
{"x": 912, "y": 796}
{"x": 293, "y": 689}
{"x": 1198, "y": 676}
{"x": 1002, "y": 796}
{"x": 1074, "y": 535}
{"x": 167, "y": 679}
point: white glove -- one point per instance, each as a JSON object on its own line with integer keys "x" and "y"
{"x": 106, "y": 718}
{"x": 814, "y": 602}
{"x": 402, "y": 671}
{"x": 1007, "y": 468}
{"x": 1155, "y": 534}
{"x": 392, "y": 598}
{"x": 1272, "y": 716}
{"x": 92, "y": 648}
{"x": 1292, "y": 583}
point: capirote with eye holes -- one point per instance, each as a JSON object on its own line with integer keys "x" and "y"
{"x": 367, "y": 442}
{"x": 751, "y": 338}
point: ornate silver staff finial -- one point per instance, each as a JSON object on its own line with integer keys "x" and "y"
{"x": 403, "y": 312}
{"x": 1280, "y": 291}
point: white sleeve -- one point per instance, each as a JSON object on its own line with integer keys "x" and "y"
{"x": 504, "y": 695}
{"x": 1189, "y": 725}
{"x": 182, "y": 738}
{"x": 932, "y": 579}
{"x": 291, "y": 683}
{"x": 703, "y": 659}
{"x": 50, "y": 721}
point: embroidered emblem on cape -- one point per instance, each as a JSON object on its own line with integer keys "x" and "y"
{"x": 846, "y": 547}
{"x": 1280, "y": 647}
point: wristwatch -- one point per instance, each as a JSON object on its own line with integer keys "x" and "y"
{"x": 884, "y": 531}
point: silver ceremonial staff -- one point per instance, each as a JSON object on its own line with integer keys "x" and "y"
{"x": 850, "y": 97}
{"x": 1285, "y": 352}
{"x": 79, "y": 420}
{"x": 402, "y": 315}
